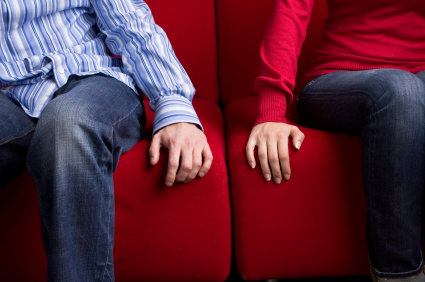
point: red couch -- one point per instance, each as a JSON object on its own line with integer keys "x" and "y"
{"x": 312, "y": 225}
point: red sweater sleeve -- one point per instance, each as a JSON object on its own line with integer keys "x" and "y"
{"x": 280, "y": 49}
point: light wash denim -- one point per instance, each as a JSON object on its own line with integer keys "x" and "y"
{"x": 386, "y": 107}
{"x": 71, "y": 153}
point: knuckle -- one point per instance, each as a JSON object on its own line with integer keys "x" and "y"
{"x": 175, "y": 142}
{"x": 281, "y": 135}
{"x": 284, "y": 158}
{"x": 210, "y": 156}
{"x": 186, "y": 167}
{"x": 174, "y": 164}
{"x": 189, "y": 142}
{"x": 262, "y": 155}
{"x": 273, "y": 158}
{"x": 268, "y": 135}
{"x": 198, "y": 165}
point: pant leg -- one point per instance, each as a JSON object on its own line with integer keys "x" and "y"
{"x": 16, "y": 129}
{"x": 387, "y": 109}
{"x": 421, "y": 76}
{"x": 75, "y": 148}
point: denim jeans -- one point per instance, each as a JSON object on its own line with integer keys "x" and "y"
{"x": 71, "y": 152}
{"x": 386, "y": 107}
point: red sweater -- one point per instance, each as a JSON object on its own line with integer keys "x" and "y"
{"x": 358, "y": 35}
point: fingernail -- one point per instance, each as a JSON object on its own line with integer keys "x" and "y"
{"x": 298, "y": 145}
{"x": 277, "y": 180}
{"x": 168, "y": 183}
{"x": 267, "y": 176}
{"x": 201, "y": 174}
{"x": 286, "y": 176}
{"x": 252, "y": 164}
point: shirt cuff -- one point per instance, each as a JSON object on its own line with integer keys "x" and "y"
{"x": 174, "y": 109}
{"x": 271, "y": 105}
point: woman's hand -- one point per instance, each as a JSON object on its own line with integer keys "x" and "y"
{"x": 271, "y": 138}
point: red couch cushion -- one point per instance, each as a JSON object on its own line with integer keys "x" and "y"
{"x": 179, "y": 233}
{"x": 22, "y": 255}
{"x": 190, "y": 26}
{"x": 312, "y": 225}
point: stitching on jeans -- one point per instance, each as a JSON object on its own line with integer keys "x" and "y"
{"x": 38, "y": 197}
{"x": 122, "y": 119}
{"x": 14, "y": 138}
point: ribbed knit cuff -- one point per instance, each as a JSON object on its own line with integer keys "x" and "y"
{"x": 271, "y": 105}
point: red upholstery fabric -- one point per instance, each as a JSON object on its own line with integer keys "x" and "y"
{"x": 190, "y": 26}
{"x": 312, "y": 225}
{"x": 179, "y": 233}
{"x": 240, "y": 29}
{"x": 22, "y": 256}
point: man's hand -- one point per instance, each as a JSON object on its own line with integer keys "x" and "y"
{"x": 185, "y": 141}
{"x": 271, "y": 138}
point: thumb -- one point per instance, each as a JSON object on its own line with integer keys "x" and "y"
{"x": 297, "y": 137}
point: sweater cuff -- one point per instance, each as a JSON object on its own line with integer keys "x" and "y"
{"x": 271, "y": 105}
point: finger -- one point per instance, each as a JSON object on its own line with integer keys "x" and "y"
{"x": 262, "y": 155}
{"x": 196, "y": 164}
{"x": 185, "y": 164}
{"x": 250, "y": 146}
{"x": 173, "y": 165}
{"x": 154, "y": 149}
{"x": 274, "y": 162}
{"x": 297, "y": 137}
{"x": 282, "y": 148}
{"x": 208, "y": 158}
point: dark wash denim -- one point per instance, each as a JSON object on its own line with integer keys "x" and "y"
{"x": 386, "y": 107}
{"x": 71, "y": 153}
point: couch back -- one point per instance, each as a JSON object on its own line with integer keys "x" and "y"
{"x": 240, "y": 29}
{"x": 190, "y": 26}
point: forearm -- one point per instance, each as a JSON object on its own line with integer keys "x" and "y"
{"x": 149, "y": 58}
{"x": 279, "y": 52}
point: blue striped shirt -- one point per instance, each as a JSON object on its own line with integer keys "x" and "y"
{"x": 43, "y": 42}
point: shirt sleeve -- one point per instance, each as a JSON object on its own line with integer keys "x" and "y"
{"x": 149, "y": 58}
{"x": 280, "y": 49}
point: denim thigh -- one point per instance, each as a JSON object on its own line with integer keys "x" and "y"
{"x": 386, "y": 107}
{"x": 74, "y": 151}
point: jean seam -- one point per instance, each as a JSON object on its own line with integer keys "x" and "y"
{"x": 18, "y": 137}
{"x": 398, "y": 275}
{"x": 38, "y": 198}
{"x": 107, "y": 256}
{"x": 120, "y": 120}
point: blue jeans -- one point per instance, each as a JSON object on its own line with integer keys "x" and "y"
{"x": 386, "y": 107}
{"x": 71, "y": 152}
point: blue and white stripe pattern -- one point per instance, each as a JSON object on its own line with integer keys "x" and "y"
{"x": 43, "y": 42}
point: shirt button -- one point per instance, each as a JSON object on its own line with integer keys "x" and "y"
{"x": 61, "y": 70}
{"x": 15, "y": 25}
